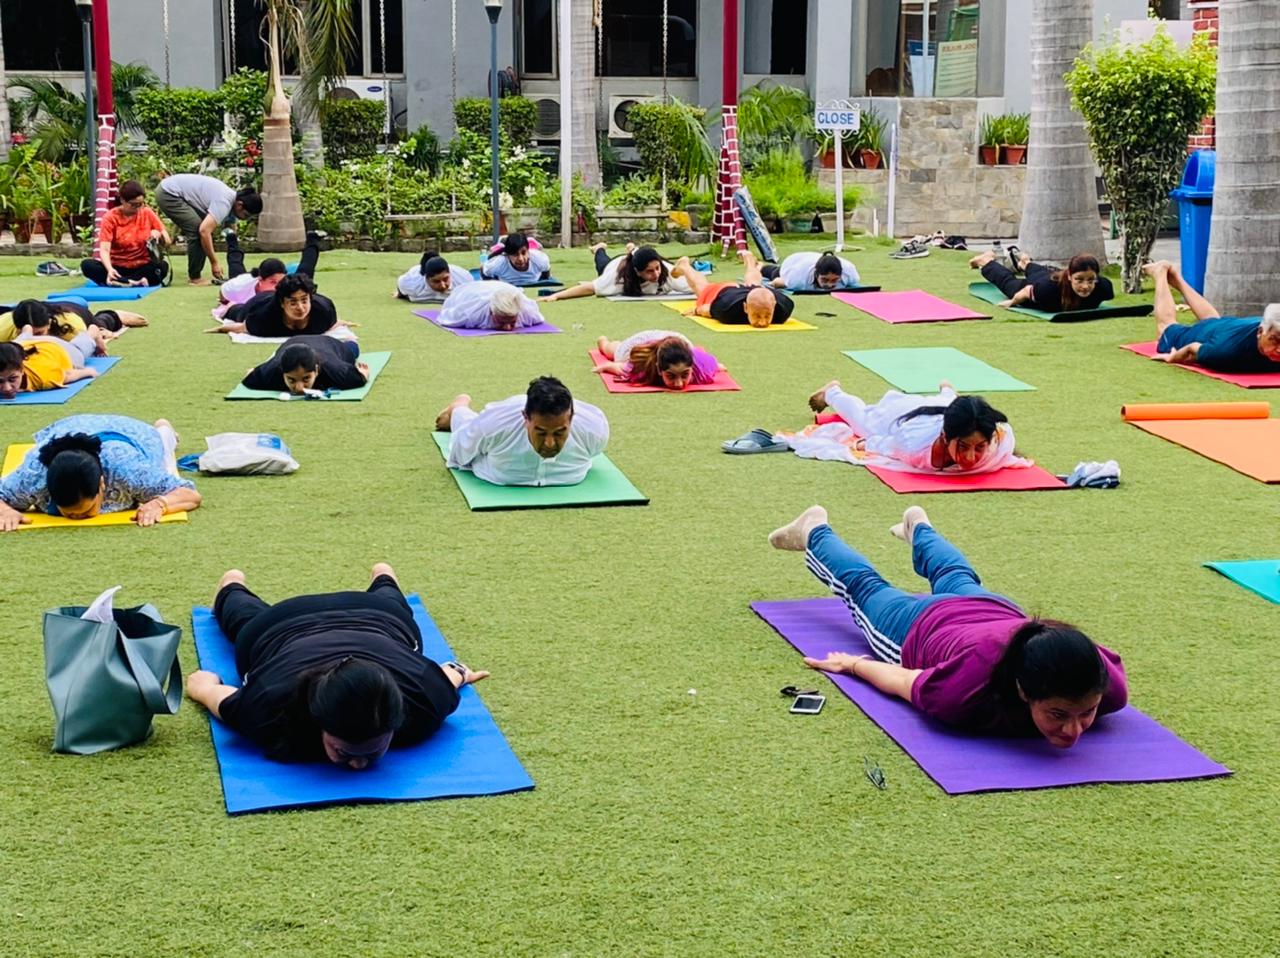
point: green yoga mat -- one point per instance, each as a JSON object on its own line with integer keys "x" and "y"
{"x": 919, "y": 370}
{"x": 989, "y": 294}
{"x": 605, "y": 485}
{"x": 375, "y": 362}
{"x": 1258, "y": 575}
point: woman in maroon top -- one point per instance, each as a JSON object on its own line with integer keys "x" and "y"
{"x": 962, "y": 655}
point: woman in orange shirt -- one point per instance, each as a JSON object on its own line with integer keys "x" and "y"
{"x": 122, "y": 243}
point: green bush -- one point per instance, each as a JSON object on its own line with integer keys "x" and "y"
{"x": 180, "y": 116}
{"x": 352, "y": 129}
{"x": 583, "y": 199}
{"x": 517, "y": 118}
{"x": 635, "y": 192}
{"x": 1140, "y": 102}
{"x": 244, "y": 97}
{"x": 782, "y": 189}
{"x": 672, "y": 141}
{"x": 421, "y": 149}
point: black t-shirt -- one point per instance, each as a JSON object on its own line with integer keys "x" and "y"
{"x": 336, "y": 369}
{"x": 1047, "y": 295}
{"x": 263, "y": 316}
{"x": 730, "y": 305}
{"x": 272, "y": 660}
{"x": 56, "y": 310}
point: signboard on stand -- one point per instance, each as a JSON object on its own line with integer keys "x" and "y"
{"x": 838, "y": 117}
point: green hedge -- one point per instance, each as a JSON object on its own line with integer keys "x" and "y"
{"x": 244, "y": 97}
{"x": 672, "y": 139}
{"x": 351, "y": 128}
{"x": 181, "y": 116}
{"x": 517, "y": 118}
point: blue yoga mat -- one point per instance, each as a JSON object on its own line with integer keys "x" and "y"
{"x": 55, "y": 397}
{"x": 549, "y": 281}
{"x": 467, "y": 756}
{"x": 1261, "y": 576}
{"x": 92, "y": 293}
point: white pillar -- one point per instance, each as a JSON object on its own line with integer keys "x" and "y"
{"x": 566, "y": 124}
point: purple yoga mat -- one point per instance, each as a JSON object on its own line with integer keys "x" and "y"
{"x": 1125, "y": 746}
{"x": 431, "y": 315}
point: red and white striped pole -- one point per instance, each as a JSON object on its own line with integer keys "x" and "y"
{"x": 728, "y": 221}
{"x": 105, "y": 189}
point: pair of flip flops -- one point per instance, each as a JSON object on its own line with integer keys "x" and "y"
{"x": 757, "y": 440}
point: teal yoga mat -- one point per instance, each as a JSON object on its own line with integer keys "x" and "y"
{"x": 375, "y": 360}
{"x": 989, "y": 294}
{"x": 605, "y": 485}
{"x": 919, "y": 370}
{"x": 1261, "y": 576}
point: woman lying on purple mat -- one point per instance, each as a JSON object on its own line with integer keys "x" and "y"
{"x": 962, "y": 655}
{"x": 338, "y": 677}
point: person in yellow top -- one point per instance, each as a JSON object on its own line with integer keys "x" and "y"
{"x": 34, "y": 363}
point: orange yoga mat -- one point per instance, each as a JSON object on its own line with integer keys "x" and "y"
{"x": 1249, "y": 446}
{"x": 1135, "y": 412}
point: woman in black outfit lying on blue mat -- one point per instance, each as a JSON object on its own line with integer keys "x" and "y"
{"x": 310, "y": 362}
{"x": 1080, "y": 285}
{"x": 338, "y": 677}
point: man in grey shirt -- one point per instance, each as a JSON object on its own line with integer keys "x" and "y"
{"x": 198, "y": 205}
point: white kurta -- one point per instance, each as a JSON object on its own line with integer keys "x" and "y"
{"x": 606, "y": 284}
{"x": 493, "y": 444}
{"x": 497, "y": 266}
{"x": 468, "y": 307}
{"x": 413, "y": 284}
{"x": 797, "y": 271}
{"x": 904, "y": 446}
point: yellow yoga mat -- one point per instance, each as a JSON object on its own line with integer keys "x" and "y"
{"x": 686, "y": 309}
{"x": 13, "y": 457}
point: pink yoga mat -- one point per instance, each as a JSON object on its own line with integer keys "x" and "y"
{"x": 911, "y": 306}
{"x": 1126, "y": 746}
{"x": 722, "y": 383}
{"x": 1005, "y": 480}
{"x": 431, "y": 315}
{"x": 1247, "y": 380}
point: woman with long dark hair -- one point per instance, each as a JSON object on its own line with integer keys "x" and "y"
{"x": 657, "y": 357}
{"x": 1080, "y": 285}
{"x": 961, "y": 654}
{"x": 338, "y": 677}
{"x": 640, "y": 271}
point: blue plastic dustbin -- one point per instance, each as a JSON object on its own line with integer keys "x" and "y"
{"x": 1195, "y": 211}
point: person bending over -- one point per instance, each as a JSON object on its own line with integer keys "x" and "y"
{"x": 124, "y": 258}
{"x": 489, "y": 304}
{"x": 199, "y": 205}
{"x": 962, "y": 655}
{"x": 1080, "y": 286}
{"x": 293, "y": 308}
{"x": 825, "y": 271}
{"x": 242, "y": 285}
{"x": 64, "y": 320}
{"x": 737, "y": 303}
{"x": 942, "y": 433}
{"x": 338, "y": 677}
{"x": 638, "y": 272}
{"x": 35, "y": 363}
{"x": 315, "y": 363}
{"x": 432, "y": 280}
{"x": 82, "y": 466}
{"x": 1225, "y": 344}
{"x": 514, "y": 262}
{"x": 657, "y": 357}
{"x": 543, "y": 438}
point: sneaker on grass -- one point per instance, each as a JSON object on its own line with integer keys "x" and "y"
{"x": 911, "y": 250}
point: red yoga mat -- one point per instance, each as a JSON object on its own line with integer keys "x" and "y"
{"x": 911, "y": 306}
{"x": 722, "y": 383}
{"x": 1247, "y": 380}
{"x": 1004, "y": 480}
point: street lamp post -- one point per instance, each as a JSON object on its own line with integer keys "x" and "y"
{"x": 85, "y": 9}
{"x": 494, "y": 9}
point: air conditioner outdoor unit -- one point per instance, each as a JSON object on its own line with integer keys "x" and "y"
{"x": 547, "y": 126}
{"x": 619, "y": 107}
{"x": 358, "y": 88}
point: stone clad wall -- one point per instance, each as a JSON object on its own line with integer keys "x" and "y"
{"x": 940, "y": 184}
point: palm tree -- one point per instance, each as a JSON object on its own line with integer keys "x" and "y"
{"x": 1060, "y": 210}
{"x": 280, "y": 226}
{"x": 55, "y": 115}
{"x": 1243, "y": 272}
{"x": 328, "y": 40}
{"x": 5, "y": 132}
{"x": 585, "y": 87}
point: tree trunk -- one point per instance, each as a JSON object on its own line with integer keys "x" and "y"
{"x": 583, "y": 121}
{"x": 309, "y": 111}
{"x": 5, "y": 133}
{"x": 1060, "y": 208}
{"x": 1243, "y": 272}
{"x": 280, "y": 226}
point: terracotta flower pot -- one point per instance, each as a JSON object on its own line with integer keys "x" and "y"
{"x": 827, "y": 160}
{"x": 1011, "y": 155}
{"x": 870, "y": 159}
{"x": 988, "y": 155}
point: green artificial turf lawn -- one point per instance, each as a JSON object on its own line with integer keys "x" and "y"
{"x": 663, "y": 823}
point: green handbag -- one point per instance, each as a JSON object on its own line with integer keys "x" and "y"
{"x": 106, "y": 679}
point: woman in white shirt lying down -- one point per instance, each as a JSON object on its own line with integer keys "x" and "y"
{"x": 432, "y": 280}
{"x": 800, "y": 271}
{"x": 489, "y": 304}
{"x": 638, "y": 272}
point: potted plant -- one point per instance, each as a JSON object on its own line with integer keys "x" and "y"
{"x": 1013, "y": 144}
{"x": 634, "y": 203}
{"x": 989, "y": 135}
{"x": 868, "y": 146}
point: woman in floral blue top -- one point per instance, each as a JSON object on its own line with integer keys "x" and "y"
{"x": 85, "y": 465}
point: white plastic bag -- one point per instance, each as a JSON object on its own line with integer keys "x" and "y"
{"x": 247, "y": 454}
